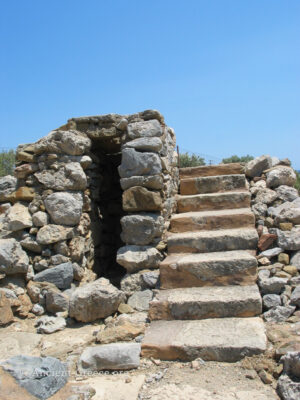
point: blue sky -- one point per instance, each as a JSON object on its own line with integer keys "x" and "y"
{"x": 225, "y": 73}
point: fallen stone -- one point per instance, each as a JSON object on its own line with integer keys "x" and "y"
{"x": 295, "y": 298}
{"x": 120, "y": 333}
{"x": 136, "y": 258}
{"x": 272, "y": 285}
{"x": 258, "y": 165}
{"x": 259, "y": 209}
{"x": 287, "y": 193}
{"x": 145, "y": 129}
{"x": 271, "y": 252}
{"x": 283, "y": 258}
{"x": 13, "y": 259}
{"x": 140, "y": 300}
{"x": 271, "y": 301}
{"x": 289, "y": 240}
{"x": 285, "y": 226}
{"x": 288, "y": 383}
{"x": 290, "y": 269}
{"x": 295, "y": 259}
{"x": 265, "y": 196}
{"x": 49, "y": 325}
{"x": 29, "y": 243}
{"x": 279, "y": 314}
{"x": 42, "y": 377}
{"x": 286, "y": 212}
{"x": 53, "y": 233}
{"x": 25, "y": 306}
{"x": 281, "y": 175}
{"x": 95, "y": 300}
{"x": 141, "y": 229}
{"x": 56, "y": 301}
{"x": 18, "y": 218}
{"x": 116, "y": 356}
{"x": 61, "y": 275}
{"x": 266, "y": 240}
{"x": 64, "y": 208}
{"x": 6, "y": 314}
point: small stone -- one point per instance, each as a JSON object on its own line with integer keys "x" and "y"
{"x": 125, "y": 309}
{"x": 140, "y": 300}
{"x": 50, "y": 325}
{"x": 264, "y": 261}
{"x": 286, "y": 226}
{"x": 265, "y": 377}
{"x": 284, "y": 258}
{"x": 271, "y": 300}
{"x": 290, "y": 269}
{"x": 295, "y": 298}
{"x": 18, "y": 218}
{"x": 279, "y": 314}
{"x": 61, "y": 275}
{"x": 251, "y": 374}
{"x": 40, "y": 218}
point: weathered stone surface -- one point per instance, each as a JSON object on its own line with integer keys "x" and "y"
{"x": 259, "y": 209}
{"x": 217, "y": 339}
{"x": 64, "y": 208}
{"x": 119, "y": 333}
{"x": 212, "y": 220}
{"x": 258, "y": 165}
{"x": 295, "y": 259}
{"x": 68, "y": 177}
{"x": 77, "y": 248}
{"x": 23, "y": 193}
{"x": 56, "y": 301}
{"x": 145, "y": 144}
{"x": 271, "y": 300}
{"x": 289, "y": 240}
{"x": 272, "y": 285}
{"x": 271, "y": 252}
{"x": 135, "y": 163}
{"x": 212, "y": 184}
{"x": 279, "y": 313}
{"x": 97, "y": 299}
{"x": 16, "y": 343}
{"x": 49, "y": 325}
{"x": 6, "y": 314}
{"x": 61, "y": 275}
{"x": 70, "y": 142}
{"x": 141, "y": 229}
{"x": 115, "y": 356}
{"x": 136, "y": 258}
{"x": 208, "y": 269}
{"x": 150, "y": 182}
{"x": 212, "y": 170}
{"x": 29, "y": 243}
{"x": 295, "y": 298}
{"x": 281, "y": 175}
{"x": 150, "y": 278}
{"x": 49, "y": 234}
{"x": 213, "y": 201}
{"x": 145, "y": 129}
{"x": 287, "y": 193}
{"x": 18, "y": 218}
{"x": 206, "y": 302}
{"x": 40, "y": 218}
{"x": 212, "y": 241}
{"x": 287, "y": 388}
{"x": 13, "y": 259}
{"x": 41, "y": 377}
{"x": 140, "y": 300}
{"x": 286, "y": 212}
{"x": 22, "y": 171}
{"x": 266, "y": 196}
{"x": 139, "y": 198}
{"x": 266, "y": 240}
{"x": 291, "y": 364}
{"x": 8, "y": 185}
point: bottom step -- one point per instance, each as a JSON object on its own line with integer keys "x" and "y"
{"x": 224, "y": 339}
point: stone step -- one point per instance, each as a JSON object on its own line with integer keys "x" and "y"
{"x": 208, "y": 269}
{"x": 212, "y": 184}
{"x": 212, "y": 241}
{"x": 213, "y": 201}
{"x": 206, "y": 302}
{"x": 211, "y": 170}
{"x": 212, "y": 220}
{"x": 217, "y": 339}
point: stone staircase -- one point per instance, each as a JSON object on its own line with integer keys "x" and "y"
{"x": 209, "y": 303}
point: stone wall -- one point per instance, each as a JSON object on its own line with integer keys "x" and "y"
{"x": 91, "y": 199}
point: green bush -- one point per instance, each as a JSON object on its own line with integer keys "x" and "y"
{"x": 7, "y": 162}
{"x": 297, "y": 184}
{"x": 236, "y": 159}
{"x": 190, "y": 160}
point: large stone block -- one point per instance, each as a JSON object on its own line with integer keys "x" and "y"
{"x": 289, "y": 240}
{"x": 18, "y": 218}
{"x": 259, "y": 164}
{"x": 64, "y": 208}
{"x": 68, "y": 177}
{"x": 49, "y": 234}
{"x": 61, "y": 275}
{"x": 281, "y": 175}
{"x": 141, "y": 229}
{"x": 147, "y": 129}
{"x": 13, "y": 259}
{"x": 145, "y": 144}
{"x": 95, "y": 300}
{"x": 139, "y": 198}
{"x": 135, "y": 163}
{"x": 136, "y": 258}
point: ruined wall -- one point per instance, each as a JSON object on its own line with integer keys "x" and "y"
{"x": 91, "y": 199}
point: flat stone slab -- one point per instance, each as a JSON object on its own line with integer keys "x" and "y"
{"x": 211, "y": 170}
{"x": 221, "y": 339}
{"x": 212, "y": 241}
{"x": 208, "y": 269}
{"x": 206, "y": 302}
{"x": 212, "y": 220}
{"x": 213, "y": 201}
{"x": 212, "y": 184}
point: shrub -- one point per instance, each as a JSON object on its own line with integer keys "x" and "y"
{"x": 7, "y": 162}
{"x": 190, "y": 160}
{"x": 236, "y": 159}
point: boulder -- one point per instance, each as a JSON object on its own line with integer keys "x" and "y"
{"x": 286, "y": 212}
{"x": 289, "y": 240}
{"x": 272, "y": 285}
{"x": 145, "y": 144}
{"x": 64, "y": 208}
{"x": 49, "y": 234}
{"x": 61, "y": 275}
{"x": 49, "y": 325}
{"x": 135, "y": 163}
{"x": 271, "y": 300}
{"x": 291, "y": 364}
{"x": 56, "y": 301}
{"x": 288, "y": 383}
{"x": 18, "y": 218}
{"x": 265, "y": 196}
{"x": 68, "y": 177}
{"x": 281, "y": 175}
{"x": 136, "y": 258}
{"x": 41, "y": 377}
{"x": 295, "y": 298}
{"x": 13, "y": 259}
{"x": 140, "y": 300}
{"x": 8, "y": 185}
{"x": 146, "y": 129}
{"x": 279, "y": 313}
{"x": 287, "y": 193}
{"x": 138, "y": 198}
{"x": 115, "y": 356}
{"x": 69, "y": 142}
{"x": 259, "y": 209}
{"x": 141, "y": 229}
{"x": 29, "y": 243}
{"x": 258, "y": 165}
{"x": 6, "y": 314}
{"x": 95, "y": 300}
{"x": 295, "y": 260}
{"x": 150, "y": 182}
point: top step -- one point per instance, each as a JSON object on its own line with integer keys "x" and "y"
{"x": 211, "y": 170}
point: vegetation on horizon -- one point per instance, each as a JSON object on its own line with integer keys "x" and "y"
{"x": 7, "y": 162}
{"x": 237, "y": 159}
{"x": 190, "y": 160}
{"x": 297, "y": 184}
